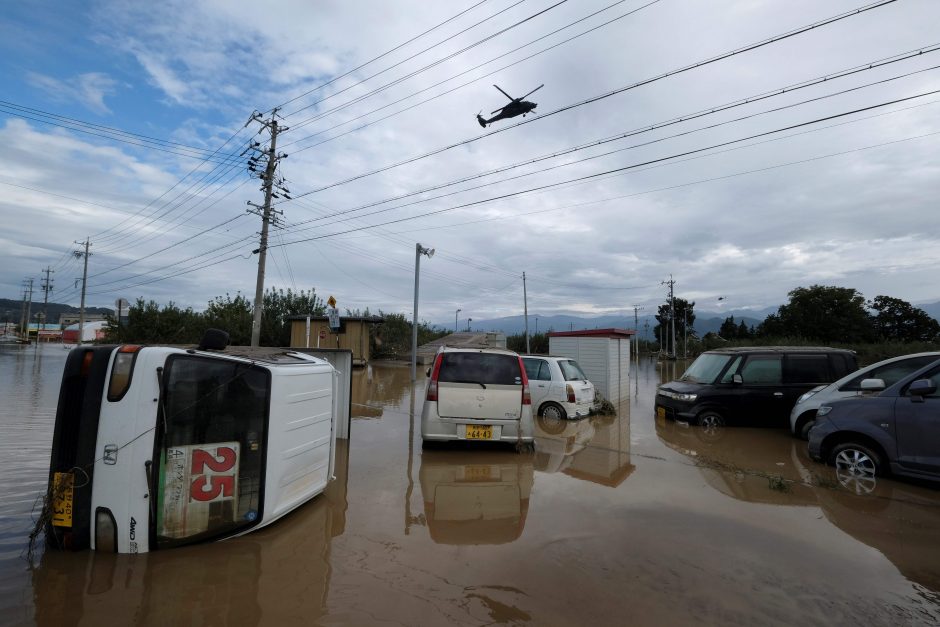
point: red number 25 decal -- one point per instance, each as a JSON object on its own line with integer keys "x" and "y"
{"x": 208, "y": 488}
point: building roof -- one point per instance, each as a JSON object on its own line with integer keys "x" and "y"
{"x": 608, "y": 333}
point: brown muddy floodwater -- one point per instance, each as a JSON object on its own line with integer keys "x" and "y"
{"x": 611, "y": 521}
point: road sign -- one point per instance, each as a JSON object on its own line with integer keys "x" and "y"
{"x": 331, "y": 302}
{"x": 322, "y": 334}
{"x": 333, "y": 314}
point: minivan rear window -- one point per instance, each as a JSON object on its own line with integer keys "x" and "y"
{"x": 485, "y": 368}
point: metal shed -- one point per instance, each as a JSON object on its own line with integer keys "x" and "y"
{"x": 604, "y": 355}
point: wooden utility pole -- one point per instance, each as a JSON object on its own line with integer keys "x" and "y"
{"x": 267, "y": 177}
{"x": 525, "y": 302}
{"x": 81, "y": 311}
{"x": 46, "y": 285}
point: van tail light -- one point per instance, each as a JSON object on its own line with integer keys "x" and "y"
{"x": 121, "y": 371}
{"x": 526, "y": 395}
{"x": 435, "y": 373}
{"x": 105, "y": 531}
{"x": 570, "y": 391}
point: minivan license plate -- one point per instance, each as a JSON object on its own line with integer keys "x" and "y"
{"x": 476, "y": 432}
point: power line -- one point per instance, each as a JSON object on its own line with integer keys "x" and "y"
{"x": 647, "y": 81}
{"x": 374, "y": 59}
{"x": 622, "y": 169}
{"x": 479, "y": 78}
{"x": 358, "y": 98}
{"x": 673, "y": 121}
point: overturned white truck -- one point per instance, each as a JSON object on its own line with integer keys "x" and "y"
{"x": 157, "y": 447}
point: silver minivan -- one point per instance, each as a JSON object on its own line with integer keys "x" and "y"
{"x": 477, "y": 394}
{"x": 889, "y": 372}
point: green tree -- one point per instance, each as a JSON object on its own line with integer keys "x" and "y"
{"x": 728, "y": 329}
{"x": 393, "y": 337}
{"x": 685, "y": 313}
{"x": 148, "y": 323}
{"x": 743, "y": 332}
{"x": 232, "y": 315}
{"x": 821, "y": 313}
{"x": 898, "y": 320}
{"x": 538, "y": 343}
{"x": 279, "y": 305}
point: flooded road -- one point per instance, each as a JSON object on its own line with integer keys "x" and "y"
{"x": 611, "y": 520}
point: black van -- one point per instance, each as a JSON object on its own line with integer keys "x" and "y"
{"x": 756, "y": 385}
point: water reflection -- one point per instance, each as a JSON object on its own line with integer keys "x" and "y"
{"x": 378, "y": 386}
{"x": 900, "y": 520}
{"x": 247, "y": 580}
{"x": 475, "y": 496}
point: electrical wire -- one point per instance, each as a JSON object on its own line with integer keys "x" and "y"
{"x": 621, "y": 169}
{"x": 747, "y": 48}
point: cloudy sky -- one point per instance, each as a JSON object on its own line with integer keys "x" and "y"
{"x": 655, "y": 153}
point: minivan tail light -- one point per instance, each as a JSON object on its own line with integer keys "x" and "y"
{"x": 570, "y": 391}
{"x": 526, "y": 395}
{"x": 121, "y": 371}
{"x": 105, "y": 531}
{"x": 432, "y": 384}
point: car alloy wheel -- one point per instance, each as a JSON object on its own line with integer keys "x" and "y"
{"x": 852, "y": 459}
{"x": 711, "y": 423}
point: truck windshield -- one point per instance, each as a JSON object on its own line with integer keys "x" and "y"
{"x": 212, "y": 426}
{"x": 705, "y": 368}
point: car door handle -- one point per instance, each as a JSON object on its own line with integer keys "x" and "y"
{"x": 778, "y": 394}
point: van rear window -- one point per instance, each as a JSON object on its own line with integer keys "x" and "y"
{"x": 486, "y": 368}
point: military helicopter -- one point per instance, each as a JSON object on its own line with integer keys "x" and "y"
{"x": 517, "y": 106}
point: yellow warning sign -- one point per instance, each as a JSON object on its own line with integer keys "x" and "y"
{"x": 331, "y": 301}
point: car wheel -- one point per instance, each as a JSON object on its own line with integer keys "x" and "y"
{"x": 553, "y": 412}
{"x": 550, "y": 423}
{"x": 804, "y": 427}
{"x": 710, "y": 421}
{"x": 851, "y": 458}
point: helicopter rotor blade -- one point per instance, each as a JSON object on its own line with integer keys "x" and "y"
{"x": 503, "y": 93}
{"x": 532, "y": 92}
{"x": 496, "y": 111}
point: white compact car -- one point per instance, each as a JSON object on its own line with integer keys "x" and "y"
{"x": 559, "y": 387}
{"x": 477, "y": 394}
{"x": 889, "y": 371}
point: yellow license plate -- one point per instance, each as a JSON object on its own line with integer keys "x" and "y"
{"x": 477, "y": 473}
{"x": 62, "y": 493}
{"x": 660, "y": 412}
{"x": 475, "y": 432}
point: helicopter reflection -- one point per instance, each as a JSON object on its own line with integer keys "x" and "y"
{"x": 475, "y": 496}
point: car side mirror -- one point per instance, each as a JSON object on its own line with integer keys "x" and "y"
{"x": 737, "y": 379}
{"x": 872, "y": 385}
{"x": 427, "y": 372}
{"x": 921, "y": 388}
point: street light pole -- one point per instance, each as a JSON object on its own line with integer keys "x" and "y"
{"x": 419, "y": 250}
{"x": 457, "y": 313}
{"x": 469, "y": 320}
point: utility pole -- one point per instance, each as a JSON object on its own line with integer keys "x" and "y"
{"x": 27, "y": 306}
{"x": 46, "y": 285}
{"x": 81, "y": 310}
{"x": 429, "y": 252}
{"x": 269, "y": 158}
{"x": 672, "y": 315}
{"x": 525, "y": 301}
{"x": 636, "y": 327}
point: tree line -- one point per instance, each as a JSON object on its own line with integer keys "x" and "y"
{"x": 148, "y": 322}
{"x": 819, "y": 313}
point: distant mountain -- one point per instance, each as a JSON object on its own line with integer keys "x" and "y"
{"x": 705, "y": 321}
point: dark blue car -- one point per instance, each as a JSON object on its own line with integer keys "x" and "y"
{"x": 896, "y": 431}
